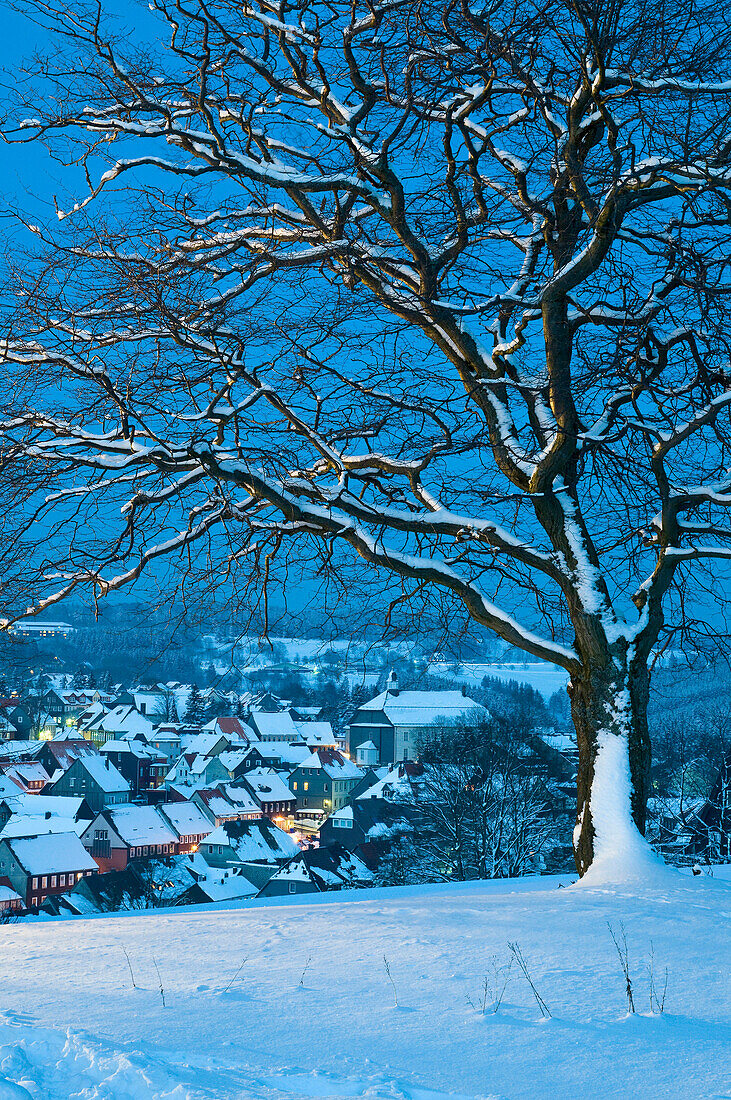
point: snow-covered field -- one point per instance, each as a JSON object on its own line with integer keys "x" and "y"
{"x": 540, "y": 675}
{"x": 290, "y": 998}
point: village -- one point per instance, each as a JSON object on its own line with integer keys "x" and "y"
{"x": 148, "y": 796}
{"x": 119, "y": 801}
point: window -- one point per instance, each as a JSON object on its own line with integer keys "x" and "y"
{"x": 62, "y": 880}
{"x": 307, "y": 786}
{"x": 294, "y": 785}
{"x": 35, "y": 883}
{"x": 44, "y": 882}
{"x": 53, "y": 880}
{"x": 292, "y": 887}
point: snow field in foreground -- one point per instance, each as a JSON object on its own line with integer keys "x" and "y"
{"x": 291, "y": 999}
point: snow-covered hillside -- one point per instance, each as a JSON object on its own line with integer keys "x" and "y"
{"x": 291, "y": 998}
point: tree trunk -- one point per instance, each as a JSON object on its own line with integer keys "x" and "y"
{"x": 609, "y": 710}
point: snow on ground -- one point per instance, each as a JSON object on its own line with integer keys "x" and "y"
{"x": 546, "y": 678}
{"x": 290, "y": 998}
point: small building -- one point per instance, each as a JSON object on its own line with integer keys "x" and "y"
{"x": 10, "y": 901}
{"x": 257, "y": 848}
{"x": 323, "y": 782}
{"x": 142, "y": 766}
{"x": 188, "y": 822}
{"x": 116, "y": 836}
{"x": 273, "y": 727}
{"x": 41, "y": 865}
{"x": 194, "y": 769}
{"x": 95, "y": 779}
{"x": 270, "y": 791}
{"x": 316, "y": 870}
{"x": 30, "y": 776}
{"x": 58, "y": 756}
{"x": 215, "y": 805}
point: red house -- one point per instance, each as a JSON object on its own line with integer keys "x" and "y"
{"x": 122, "y": 833}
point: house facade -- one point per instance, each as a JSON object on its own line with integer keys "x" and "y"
{"x": 42, "y": 865}
{"x": 95, "y": 779}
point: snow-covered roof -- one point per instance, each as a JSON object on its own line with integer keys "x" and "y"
{"x": 31, "y": 771}
{"x": 278, "y": 726}
{"x": 316, "y": 733}
{"x": 125, "y": 719}
{"x": 37, "y": 824}
{"x": 7, "y": 894}
{"x": 134, "y": 748}
{"x": 34, "y": 804}
{"x": 216, "y": 802}
{"x": 255, "y": 841}
{"x": 54, "y": 853}
{"x": 289, "y": 752}
{"x": 141, "y": 825}
{"x": 333, "y": 763}
{"x": 186, "y": 818}
{"x": 241, "y": 799}
{"x": 104, "y": 774}
{"x": 345, "y": 813}
{"x": 268, "y": 785}
{"x": 420, "y": 708}
{"x": 397, "y": 780}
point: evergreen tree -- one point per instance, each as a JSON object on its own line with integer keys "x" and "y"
{"x": 194, "y": 711}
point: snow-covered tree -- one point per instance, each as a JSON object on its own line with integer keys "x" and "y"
{"x": 442, "y": 286}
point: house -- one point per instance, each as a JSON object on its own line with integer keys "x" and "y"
{"x": 711, "y": 825}
{"x": 95, "y": 779}
{"x": 143, "y": 767}
{"x": 277, "y": 726}
{"x": 10, "y": 901}
{"x": 271, "y": 792}
{"x": 166, "y": 739}
{"x": 280, "y": 755}
{"x": 214, "y": 884}
{"x": 247, "y": 807}
{"x": 305, "y": 713}
{"x": 235, "y": 729}
{"x": 17, "y": 722}
{"x": 323, "y": 782}
{"x": 317, "y": 735}
{"x": 30, "y": 775}
{"x": 20, "y": 804}
{"x": 316, "y": 870}
{"x": 144, "y": 884}
{"x": 188, "y": 822}
{"x": 58, "y": 756}
{"x": 118, "y": 835}
{"x": 193, "y": 770}
{"x": 395, "y": 720}
{"x": 257, "y": 848}
{"x": 157, "y": 705}
{"x": 215, "y": 805}
{"x": 123, "y": 720}
{"x": 41, "y": 865}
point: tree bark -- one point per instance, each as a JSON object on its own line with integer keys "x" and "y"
{"x": 609, "y": 710}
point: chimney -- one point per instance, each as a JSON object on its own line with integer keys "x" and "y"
{"x": 392, "y": 684}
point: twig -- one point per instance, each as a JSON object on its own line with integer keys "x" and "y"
{"x": 390, "y": 978}
{"x": 656, "y": 1002}
{"x": 518, "y": 956}
{"x": 243, "y": 963}
{"x": 129, "y": 964}
{"x": 305, "y": 969}
{"x": 623, "y": 951}
{"x": 162, "y": 990}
